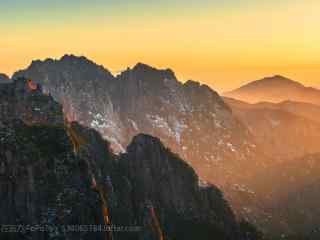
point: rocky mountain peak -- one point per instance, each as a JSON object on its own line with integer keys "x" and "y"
{"x": 65, "y": 65}
{"x": 142, "y": 70}
{"x": 77, "y": 60}
{"x": 72, "y": 57}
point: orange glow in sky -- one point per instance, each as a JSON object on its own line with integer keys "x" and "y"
{"x": 223, "y": 45}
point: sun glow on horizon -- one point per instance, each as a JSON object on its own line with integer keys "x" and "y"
{"x": 221, "y": 44}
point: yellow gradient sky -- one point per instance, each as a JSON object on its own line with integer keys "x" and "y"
{"x": 221, "y": 43}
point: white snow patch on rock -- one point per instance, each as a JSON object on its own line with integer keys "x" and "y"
{"x": 134, "y": 124}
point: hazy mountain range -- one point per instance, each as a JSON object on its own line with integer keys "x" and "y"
{"x": 285, "y": 130}
{"x": 190, "y": 118}
{"x": 257, "y": 154}
{"x": 307, "y": 110}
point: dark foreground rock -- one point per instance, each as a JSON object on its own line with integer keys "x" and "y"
{"x": 47, "y": 181}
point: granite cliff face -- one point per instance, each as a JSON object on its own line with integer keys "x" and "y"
{"x": 55, "y": 176}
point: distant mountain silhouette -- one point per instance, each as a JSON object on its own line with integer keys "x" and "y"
{"x": 275, "y": 89}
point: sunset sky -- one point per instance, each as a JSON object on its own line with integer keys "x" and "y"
{"x": 221, "y": 43}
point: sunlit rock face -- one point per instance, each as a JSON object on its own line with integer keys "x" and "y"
{"x": 188, "y": 117}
